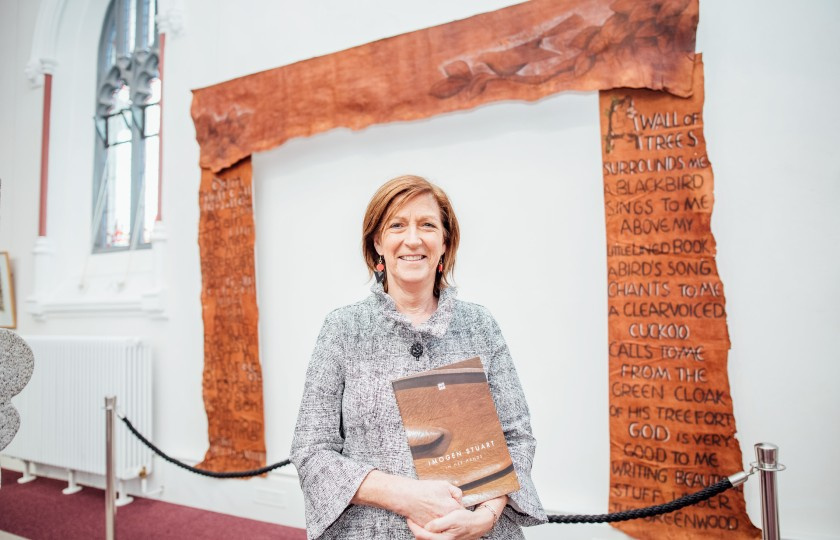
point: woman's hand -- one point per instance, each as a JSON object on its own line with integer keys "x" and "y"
{"x": 427, "y": 500}
{"x": 459, "y": 524}
{"x": 419, "y": 500}
{"x": 462, "y": 524}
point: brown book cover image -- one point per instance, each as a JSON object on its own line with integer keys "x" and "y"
{"x": 454, "y": 432}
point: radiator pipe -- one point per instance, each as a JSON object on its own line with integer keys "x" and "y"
{"x": 110, "y": 458}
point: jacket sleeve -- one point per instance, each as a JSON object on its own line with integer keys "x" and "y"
{"x": 524, "y": 506}
{"x": 328, "y": 479}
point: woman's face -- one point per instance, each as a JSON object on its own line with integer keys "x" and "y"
{"x": 411, "y": 243}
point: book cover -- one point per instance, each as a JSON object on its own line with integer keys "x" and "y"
{"x": 454, "y": 432}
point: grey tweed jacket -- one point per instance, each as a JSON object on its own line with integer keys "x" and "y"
{"x": 349, "y": 423}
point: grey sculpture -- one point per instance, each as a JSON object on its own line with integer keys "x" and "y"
{"x": 16, "y": 365}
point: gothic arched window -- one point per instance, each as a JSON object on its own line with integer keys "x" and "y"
{"x": 127, "y": 154}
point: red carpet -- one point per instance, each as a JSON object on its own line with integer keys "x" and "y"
{"x": 38, "y": 510}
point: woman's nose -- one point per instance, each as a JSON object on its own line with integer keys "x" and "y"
{"x": 413, "y": 236}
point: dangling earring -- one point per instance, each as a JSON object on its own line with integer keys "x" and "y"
{"x": 380, "y": 271}
{"x": 440, "y": 265}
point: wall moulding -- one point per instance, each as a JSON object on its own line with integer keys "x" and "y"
{"x": 118, "y": 293}
{"x": 171, "y": 18}
{"x": 145, "y": 306}
{"x": 44, "y": 41}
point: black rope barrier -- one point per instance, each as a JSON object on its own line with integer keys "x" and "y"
{"x": 637, "y": 513}
{"x": 625, "y": 515}
{"x": 212, "y": 474}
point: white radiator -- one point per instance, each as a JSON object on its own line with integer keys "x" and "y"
{"x": 62, "y": 417}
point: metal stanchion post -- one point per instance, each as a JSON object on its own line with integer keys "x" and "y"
{"x": 767, "y": 461}
{"x": 110, "y": 458}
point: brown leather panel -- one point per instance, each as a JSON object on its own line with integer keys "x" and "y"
{"x": 523, "y": 52}
{"x": 672, "y": 430}
{"x": 232, "y": 375}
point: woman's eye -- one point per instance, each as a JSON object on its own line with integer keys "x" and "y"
{"x": 395, "y": 225}
{"x": 430, "y": 225}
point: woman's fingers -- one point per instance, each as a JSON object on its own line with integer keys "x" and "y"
{"x": 460, "y": 524}
{"x": 456, "y": 521}
{"x": 430, "y": 499}
{"x": 420, "y": 533}
{"x": 440, "y": 524}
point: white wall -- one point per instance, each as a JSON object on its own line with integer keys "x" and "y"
{"x": 525, "y": 179}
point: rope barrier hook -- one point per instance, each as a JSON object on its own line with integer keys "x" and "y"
{"x": 740, "y": 477}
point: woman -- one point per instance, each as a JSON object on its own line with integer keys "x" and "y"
{"x": 350, "y": 450}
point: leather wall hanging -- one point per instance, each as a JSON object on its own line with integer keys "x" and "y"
{"x": 522, "y": 52}
{"x": 672, "y": 430}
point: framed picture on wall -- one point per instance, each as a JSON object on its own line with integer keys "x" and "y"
{"x": 7, "y": 294}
